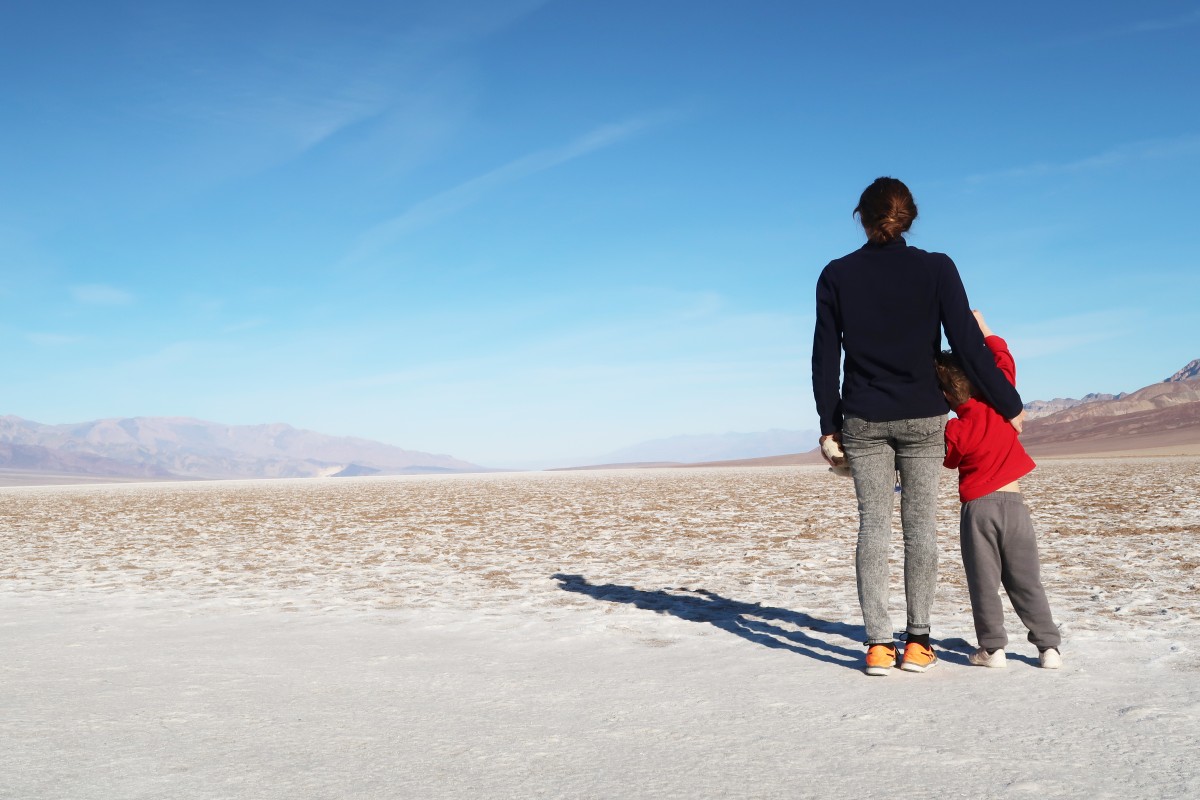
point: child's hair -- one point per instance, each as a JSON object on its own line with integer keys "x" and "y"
{"x": 951, "y": 378}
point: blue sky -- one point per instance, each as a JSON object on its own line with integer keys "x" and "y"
{"x": 529, "y": 231}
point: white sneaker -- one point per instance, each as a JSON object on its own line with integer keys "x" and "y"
{"x": 982, "y": 658}
{"x": 1050, "y": 659}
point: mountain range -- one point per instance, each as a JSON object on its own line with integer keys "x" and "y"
{"x": 1162, "y": 418}
{"x": 1044, "y": 408}
{"x": 182, "y": 448}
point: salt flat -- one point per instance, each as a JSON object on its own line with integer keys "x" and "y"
{"x": 652, "y": 633}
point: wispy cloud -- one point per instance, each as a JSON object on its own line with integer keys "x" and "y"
{"x": 1121, "y": 31}
{"x": 393, "y": 74}
{"x": 1166, "y": 23}
{"x": 99, "y": 295}
{"x": 245, "y": 325}
{"x": 165, "y": 357}
{"x": 1147, "y": 150}
{"x": 1064, "y": 334}
{"x": 52, "y": 339}
{"x": 682, "y": 334}
{"x": 273, "y": 92}
{"x": 451, "y": 201}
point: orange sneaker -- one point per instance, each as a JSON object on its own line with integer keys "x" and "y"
{"x": 880, "y": 658}
{"x": 918, "y": 658}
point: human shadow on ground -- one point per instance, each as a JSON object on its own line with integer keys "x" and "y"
{"x": 956, "y": 651}
{"x": 952, "y": 651}
{"x": 771, "y": 627}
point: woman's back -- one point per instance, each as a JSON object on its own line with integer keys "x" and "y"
{"x": 886, "y": 301}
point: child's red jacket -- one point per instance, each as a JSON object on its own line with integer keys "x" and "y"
{"x": 981, "y": 444}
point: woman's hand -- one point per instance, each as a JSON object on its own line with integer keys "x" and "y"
{"x": 1018, "y": 421}
{"x": 831, "y": 450}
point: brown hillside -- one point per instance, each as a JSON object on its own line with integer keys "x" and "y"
{"x": 1155, "y": 396}
{"x": 1175, "y": 428}
{"x": 790, "y": 460}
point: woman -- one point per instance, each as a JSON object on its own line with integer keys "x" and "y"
{"x": 885, "y": 306}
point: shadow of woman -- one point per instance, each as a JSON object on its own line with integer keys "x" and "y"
{"x": 770, "y": 627}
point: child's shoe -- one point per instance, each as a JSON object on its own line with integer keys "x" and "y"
{"x": 1049, "y": 658}
{"x": 880, "y": 658}
{"x": 918, "y": 657}
{"x": 995, "y": 659}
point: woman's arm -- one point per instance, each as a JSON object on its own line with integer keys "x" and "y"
{"x": 966, "y": 340}
{"x": 826, "y": 358}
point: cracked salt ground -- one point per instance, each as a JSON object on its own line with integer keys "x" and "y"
{"x": 646, "y": 633}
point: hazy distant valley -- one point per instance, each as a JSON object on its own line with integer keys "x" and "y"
{"x": 1161, "y": 418}
{"x": 174, "y": 447}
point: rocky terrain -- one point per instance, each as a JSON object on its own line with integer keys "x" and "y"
{"x": 1188, "y": 373}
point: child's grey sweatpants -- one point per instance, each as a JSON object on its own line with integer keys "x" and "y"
{"x": 999, "y": 547}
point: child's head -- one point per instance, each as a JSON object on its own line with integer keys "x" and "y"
{"x": 954, "y": 382}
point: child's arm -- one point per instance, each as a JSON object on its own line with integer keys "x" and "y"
{"x": 954, "y": 456}
{"x": 962, "y": 332}
{"x": 965, "y": 433}
{"x": 1003, "y": 357}
{"x": 999, "y": 348}
{"x": 982, "y": 323}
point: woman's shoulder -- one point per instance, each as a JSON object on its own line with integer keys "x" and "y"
{"x": 831, "y": 270}
{"x": 939, "y": 266}
{"x": 933, "y": 257}
{"x": 908, "y": 254}
{"x": 840, "y": 261}
{"x": 862, "y": 255}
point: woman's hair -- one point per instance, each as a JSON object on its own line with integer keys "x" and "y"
{"x": 886, "y": 210}
{"x": 951, "y": 378}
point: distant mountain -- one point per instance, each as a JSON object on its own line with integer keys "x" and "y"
{"x": 34, "y": 458}
{"x": 1189, "y": 373}
{"x": 1155, "y": 396}
{"x": 1174, "y": 429}
{"x": 175, "y": 447}
{"x": 788, "y": 460}
{"x": 1044, "y": 408}
{"x": 1162, "y": 417}
{"x": 688, "y": 449}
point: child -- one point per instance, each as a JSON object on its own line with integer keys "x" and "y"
{"x": 998, "y": 542}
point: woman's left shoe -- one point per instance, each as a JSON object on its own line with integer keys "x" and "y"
{"x": 880, "y": 659}
{"x": 918, "y": 658}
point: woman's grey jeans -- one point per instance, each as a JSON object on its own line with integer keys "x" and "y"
{"x": 877, "y": 450}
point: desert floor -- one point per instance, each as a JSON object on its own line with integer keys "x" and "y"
{"x": 657, "y": 633}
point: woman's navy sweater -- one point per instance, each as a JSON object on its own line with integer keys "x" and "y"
{"x": 885, "y": 306}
